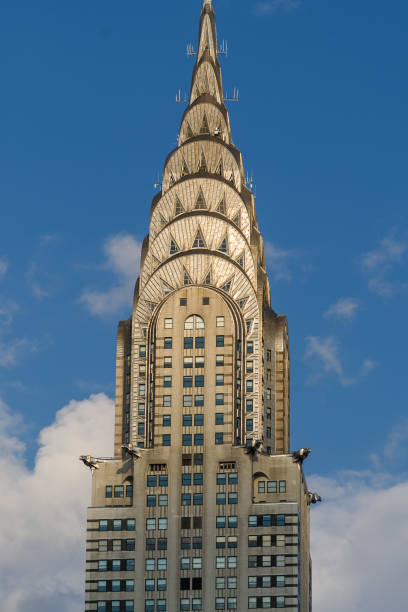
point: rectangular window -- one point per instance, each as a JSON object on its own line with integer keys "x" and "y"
{"x": 129, "y": 490}
{"x": 197, "y": 562}
{"x": 197, "y": 542}
{"x": 166, "y": 420}
{"x": 102, "y": 586}
{"x": 151, "y": 481}
{"x": 108, "y": 491}
{"x": 231, "y": 603}
{"x": 168, "y": 343}
{"x": 198, "y": 439}
{"x": 249, "y": 425}
{"x": 197, "y": 522}
{"x": 162, "y": 564}
{"x": 220, "y": 603}
{"x": 188, "y": 362}
{"x": 185, "y": 563}
{"x": 185, "y": 459}
{"x": 187, "y": 420}
{"x": 268, "y": 393}
{"x": 103, "y": 545}
{"x": 249, "y": 386}
{"x": 196, "y": 601}
{"x": 199, "y": 381}
{"x": 282, "y": 486}
{"x": 220, "y": 582}
{"x": 142, "y": 389}
{"x": 168, "y": 323}
{"x": 221, "y": 478}
{"x": 185, "y": 522}
{"x": 168, "y": 362}
{"x": 186, "y": 479}
{"x": 206, "y": 301}
{"x": 188, "y": 343}
{"x": 149, "y": 605}
{"x": 233, "y": 522}
{"x": 184, "y": 604}
{"x": 166, "y": 439}
{"x": 117, "y": 525}
{"x": 219, "y": 418}
{"x": 149, "y": 584}
{"x": 151, "y": 524}
{"x": 167, "y": 381}
{"x": 268, "y": 354}
{"x": 101, "y": 606}
{"x": 232, "y": 582}
{"x": 220, "y": 542}
{"x": 142, "y": 370}
{"x": 232, "y": 562}
{"x": 129, "y": 565}
{"x": 249, "y": 367}
{"x": 198, "y": 478}
{"x": 162, "y": 523}
{"x": 150, "y": 565}
{"x": 140, "y": 429}
{"x": 187, "y": 440}
{"x": 184, "y": 584}
{"x": 249, "y": 405}
{"x": 186, "y": 499}
{"x": 233, "y": 498}
{"x": 162, "y": 544}
{"x": 102, "y": 565}
{"x": 142, "y": 351}
{"x": 220, "y": 522}
{"x": 199, "y": 362}
{"x": 187, "y": 401}
{"x": 198, "y": 459}
{"x": 161, "y": 605}
{"x": 219, "y": 438}
{"x": 198, "y": 499}
{"x": 219, "y": 360}
{"x": 200, "y": 342}
{"x": 163, "y": 499}
{"x": 233, "y": 478}
{"x": 130, "y": 544}
{"x": 116, "y": 565}
{"x": 221, "y": 499}
{"x": 150, "y": 544}
{"x": 220, "y": 562}
{"x": 220, "y": 322}
{"x": 219, "y": 341}
{"x": 161, "y": 584}
{"x": 130, "y": 524}
{"x": 219, "y": 399}
{"x": 151, "y": 501}
{"x": 115, "y": 586}
{"x": 141, "y": 409}
{"x": 219, "y": 380}
{"x": 250, "y": 347}
{"x": 187, "y": 381}
{"x": 183, "y": 301}
{"x": 199, "y": 400}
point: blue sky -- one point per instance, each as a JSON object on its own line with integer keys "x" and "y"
{"x": 87, "y": 118}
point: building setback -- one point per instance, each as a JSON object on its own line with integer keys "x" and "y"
{"x": 203, "y": 507}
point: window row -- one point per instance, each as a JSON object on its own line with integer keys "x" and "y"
{"x": 226, "y": 542}
{"x": 113, "y": 586}
{"x": 194, "y": 543}
{"x": 271, "y": 486}
{"x": 266, "y": 520}
{"x": 159, "y": 500}
{"x": 160, "y": 524}
{"x": 154, "y": 480}
{"x": 117, "y": 525}
{"x": 188, "y": 522}
{"x": 196, "y": 459}
{"x": 193, "y": 604}
{"x": 119, "y": 490}
{"x": 266, "y": 540}
{"x": 194, "y": 563}
{"x": 221, "y": 498}
{"x": 116, "y": 565}
{"x": 188, "y": 400}
{"x": 266, "y": 602}
{"x": 196, "y": 478}
{"x": 115, "y": 606}
{"x": 229, "y": 582}
{"x": 195, "y": 584}
{"x": 160, "y": 584}
{"x": 189, "y": 418}
{"x": 156, "y": 543}
{"x": 222, "y": 478}
{"x": 266, "y": 561}
{"x": 197, "y": 499}
{"x": 221, "y": 522}
{"x": 152, "y": 564}
{"x": 225, "y": 603}
{"x": 265, "y": 582}
{"x": 116, "y": 545}
{"x": 224, "y": 562}
{"x": 160, "y": 605}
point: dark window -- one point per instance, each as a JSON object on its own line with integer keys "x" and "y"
{"x": 130, "y": 545}
{"x": 233, "y": 478}
{"x": 250, "y": 347}
{"x": 185, "y": 522}
{"x": 249, "y": 405}
{"x": 188, "y": 343}
{"x": 163, "y": 480}
{"x": 199, "y": 381}
{"x": 233, "y": 522}
{"x": 140, "y": 429}
{"x": 199, "y": 400}
{"x": 168, "y": 343}
{"x": 167, "y": 381}
{"x": 219, "y": 418}
{"x": 183, "y": 301}
{"x": 198, "y": 459}
{"x": 219, "y": 341}
{"x": 219, "y": 399}
{"x": 162, "y": 544}
{"x": 221, "y": 478}
{"x": 198, "y": 478}
{"x": 186, "y": 480}
{"x": 206, "y": 301}
{"x": 142, "y": 351}
{"x": 130, "y": 524}
{"x": 119, "y": 491}
{"x": 108, "y": 491}
{"x": 200, "y": 342}
{"x": 185, "y": 459}
{"x": 187, "y": 420}
{"x": 249, "y": 425}
{"x": 151, "y": 500}
{"x": 166, "y": 438}
{"x": 198, "y": 439}
{"x": 187, "y": 381}
{"x": 186, "y": 499}
{"x": 150, "y": 544}
{"x": 166, "y": 420}
{"x": 129, "y": 490}
{"x": 184, "y": 584}
{"x": 185, "y": 543}
{"x": 198, "y": 499}
{"x": 219, "y": 438}
{"x": 197, "y": 522}
{"x": 187, "y": 440}
{"x": 197, "y": 584}
{"x": 197, "y": 542}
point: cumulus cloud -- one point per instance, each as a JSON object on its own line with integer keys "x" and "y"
{"x": 379, "y": 264}
{"x": 122, "y": 253}
{"x": 42, "y": 544}
{"x": 269, "y": 7}
{"x": 343, "y": 309}
{"x": 3, "y": 267}
{"x": 359, "y": 538}
{"x": 323, "y": 355}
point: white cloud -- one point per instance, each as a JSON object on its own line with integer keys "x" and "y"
{"x": 359, "y": 539}
{"x": 344, "y": 308}
{"x": 323, "y": 355}
{"x": 7, "y": 311}
{"x": 379, "y": 263}
{"x": 3, "y": 268}
{"x": 279, "y": 261}
{"x": 42, "y": 544}
{"x": 39, "y": 291}
{"x": 122, "y": 258}
{"x": 269, "y": 7}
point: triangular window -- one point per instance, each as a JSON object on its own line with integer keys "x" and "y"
{"x": 199, "y": 242}
{"x": 189, "y": 131}
{"x": 207, "y": 280}
{"x": 221, "y": 208}
{"x": 151, "y": 305}
{"x": 227, "y": 286}
{"x": 202, "y": 166}
{"x": 223, "y": 248}
{"x": 184, "y": 168}
{"x": 241, "y": 260}
{"x": 200, "y": 203}
{"x": 172, "y": 179}
{"x": 237, "y": 220}
{"x": 218, "y": 131}
{"x": 166, "y": 287}
{"x": 218, "y": 170}
{"x": 155, "y": 263}
{"x": 174, "y": 248}
{"x": 241, "y": 303}
{"x": 187, "y": 278}
{"x": 179, "y": 208}
{"x": 204, "y": 126}
{"x": 232, "y": 179}
{"x": 163, "y": 221}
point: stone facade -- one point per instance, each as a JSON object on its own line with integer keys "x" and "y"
{"x": 202, "y": 506}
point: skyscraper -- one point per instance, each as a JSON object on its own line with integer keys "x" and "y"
{"x": 203, "y": 507}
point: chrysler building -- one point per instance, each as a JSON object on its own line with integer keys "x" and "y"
{"x": 203, "y": 506}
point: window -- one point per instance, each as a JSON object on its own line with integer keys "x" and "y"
{"x": 232, "y": 562}
{"x": 219, "y": 341}
{"x": 166, "y": 420}
{"x": 167, "y": 381}
{"x": 250, "y": 367}
{"x": 198, "y": 459}
{"x": 187, "y": 420}
{"x": 150, "y": 544}
{"x": 102, "y": 586}
{"x": 219, "y": 380}
{"x": 162, "y": 544}
{"x": 108, "y": 491}
{"x": 231, "y": 603}
{"x": 116, "y": 545}
{"x": 199, "y": 381}
{"x": 220, "y": 522}
{"x": 162, "y": 523}
{"x": 163, "y": 499}
{"x": 194, "y": 322}
{"x": 184, "y": 584}
{"x": 185, "y": 459}
{"x": 198, "y": 478}
{"x": 219, "y": 399}
{"x": 149, "y": 605}
{"x": 151, "y": 481}
{"x": 186, "y": 499}
{"x": 198, "y": 499}
{"x": 197, "y": 562}
{"x": 115, "y": 586}
{"x": 151, "y": 500}
{"x": 187, "y": 381}
{"x": 219, "y": 418}
{"x": 249, "y": 425}
{"x": 200, "y": 342}
{"x": 184, "y": 604}
{"x": 162, "y": 564}
{"x": 233, "y": 522}
{"x": 142, "y": 371}
{"x": 220, "y": 562}
{"x": 141, "y": 409}
{"x": 282, "y": 486}
{"x": 220, "y": 603}
{"x": 268, "y": 393}
{"x": 199, "y": 400}
{"x": 129, "y": 565}
{"x": 166, "y": 438}
{"x": 149, "y": 584}
{"x": 220, "y": 582}
{"x": 101, "y": 606}
{"x": 150, "y": 524}
{"x": 221, "y": 478}
{"x": 221, "y": 499}
{"x": 220, "y": 322}
{"x": 197, "y": 542}
{"x": 188, "y": 362}
{"x": 117, "y": 525}
{"x": 250, "y": 347}
{"x": 186, "y": 479}
{"x": 103, "y": 545}
{"x": 187, "y": 401}
{"x": 219, "y": 360}
{"x": 197, "y": 522}
{"x": 196, "y": 601}
{"x": 102, "y": 565}
{"x": 183, "y": 301}
{"x": 232, "y": 582}
{"x": 220, "y": 542}
{"x": 249, "y": 405}
{"x": 115, "y": 605}
{"x": 140, "y": 429}
{"x": 185, "y": 563}
{"x": 130, "y": 524}
{"x": 168, "y": 362}
{"x": 187, "y": 440}
{"x": 232, "y": 498}
{"x": 142, "y": 389}
{"x": 233, "y": 478}
{"x": 206, "y": 301}
{"x": 129, "y": 490}
{"x": 185, "y": 522}
{"x": 116, "y": 565}
{"x": 161, "y": 605}
{"x": 249, "y": 386}
{"x": 219, "y": 438}
{"x": 168, "y": 343}
{"x": 168, "y": 323}
{"x": 130, "y": 544}
{"x": 198, "y": 439}
{"x": 161, "y": 584}
{"x": 188, "y": 343}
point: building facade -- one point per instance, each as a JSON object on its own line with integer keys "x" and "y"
{"x": 202, "y": 507}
